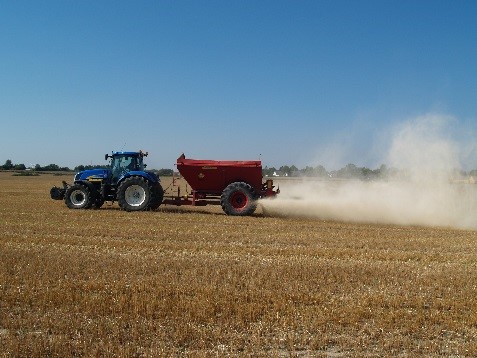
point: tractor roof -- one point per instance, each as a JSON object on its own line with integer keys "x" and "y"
{"x": 135, "y": 154}
{"x": 125, "y": 153}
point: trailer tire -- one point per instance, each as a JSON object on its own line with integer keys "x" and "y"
{"x": 134, "y": 194}
{"x": 157, "y": 196}
{"x": 238, "y": 199}
{"x": 78, "y": 196}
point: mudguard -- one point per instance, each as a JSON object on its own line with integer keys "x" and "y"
{"x": 151, "y": 177}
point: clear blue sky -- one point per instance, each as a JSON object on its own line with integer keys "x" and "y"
{"x": 228, "y": 79}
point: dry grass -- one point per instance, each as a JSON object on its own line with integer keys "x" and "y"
{"x": 196, "y": 282}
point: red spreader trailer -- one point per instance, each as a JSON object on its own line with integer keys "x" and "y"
{"x": 235, "y": 185}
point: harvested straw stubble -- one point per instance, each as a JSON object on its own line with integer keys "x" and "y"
{"x": 200, "y": 283}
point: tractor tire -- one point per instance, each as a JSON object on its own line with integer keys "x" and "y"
{"x": 78, "y": 196}
{"x": 157, "y": 196}
{"x": 97, "y": 199}
{"x": 238, "y": 199}
{"x": 134, "y": 194}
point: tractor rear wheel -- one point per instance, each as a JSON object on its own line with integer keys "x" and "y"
{"x": 157, "y": 196}
{"x": 238, "y": 199}
{"x": 78, "y": 197}
{"x": 134, "y": 194}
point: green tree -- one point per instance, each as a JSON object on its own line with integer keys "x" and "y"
{"x": 367, "y": 173}
{"x": 51, "y": 167}
{"x": 8, "y": 165}
{"x": 165, "y": 172}
{"x": 19, "y": 167}
{"x": 307, "y": 171}
{"x": 268, "y": 172}
{"x": 285, "y": 169}
{"x": 348, "y": 172}
{"x": 294, "y": 171}
{"x": 320, "y": 171}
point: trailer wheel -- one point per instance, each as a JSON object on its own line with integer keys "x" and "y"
{"x": 134, "y": 194}
{"x": 78, "y": 197}
{"x": 157, "y": 196}
{"x": 238, "y": 199}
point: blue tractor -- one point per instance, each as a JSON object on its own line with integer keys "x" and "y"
{"x": 125, "y": 181}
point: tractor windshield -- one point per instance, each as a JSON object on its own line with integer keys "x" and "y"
{"x": 125, "y": 163}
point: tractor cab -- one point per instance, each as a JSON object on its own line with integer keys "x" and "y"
{"x": 125, "y": 162}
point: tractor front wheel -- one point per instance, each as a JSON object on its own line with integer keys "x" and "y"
{"x": 134, "y": 194}
{"x": 238, "y": 199}
{"x": 78, "y": 197}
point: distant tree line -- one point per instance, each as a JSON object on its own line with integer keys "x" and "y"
{"x": 80, "y": 168}
{"x": 55, "y": 168}
{"x": 349, "y": 171}
{"x": 50, "y": 167}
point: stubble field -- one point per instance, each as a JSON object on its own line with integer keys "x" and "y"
{"x": 195, "y": 282}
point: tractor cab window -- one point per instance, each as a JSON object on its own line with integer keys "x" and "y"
{"x": 125, "y": 163}
{"x": 130, "y": 163}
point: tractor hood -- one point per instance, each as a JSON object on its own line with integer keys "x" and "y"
{"x": 93, "y": 173}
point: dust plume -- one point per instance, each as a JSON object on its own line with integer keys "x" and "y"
{"x": 425, "y": 190}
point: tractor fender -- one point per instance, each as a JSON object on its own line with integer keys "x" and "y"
{"x": 88, "y": 184}
{"x": 150, "y": 177}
